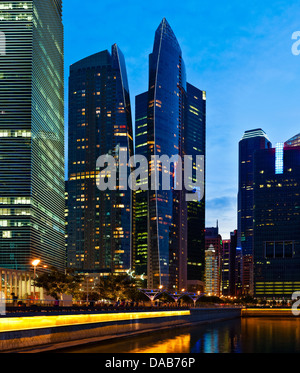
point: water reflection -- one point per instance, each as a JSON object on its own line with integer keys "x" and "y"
{"x": 179, "y": 344}
{"x": 217, "y": 338}
{"x": 270, "y": 335}
{"x": 249, "y": 335}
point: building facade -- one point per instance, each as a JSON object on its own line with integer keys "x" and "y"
{"x": 141, "y": 202}
{"x": 165, "y": 252}
{"x": 252, "y": 141}
{"x": 19, "y": 284}
{"x": 277, "y": 222}
{"x": 234, "y": 277}
{"x": 99, "y": 223}
{"x": 195, "y": 144}
{"x": 32, "y": 135}
{"x": 225, "y": 268}
{"x": 214, "y": 239}
{"x": 212, "y": 283}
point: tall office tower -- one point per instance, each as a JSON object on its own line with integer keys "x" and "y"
{"x": 238, "y": 289}
{"x": 214, "y": 239}
{"x": 225, "y": 268}
{"x": 32, "y": 135}
{"x": 252, "y": 140}
{"x": 195, "y": 144}
{"x": 212, "y": 287}
{"x": 99, "y": 222}
{"x": 140, "y": 262}
{"x": 277, "y": 222}
{"x": 165, "y": 127}
{"x": 228, "y": 265}
{"x": 233, "y": 278}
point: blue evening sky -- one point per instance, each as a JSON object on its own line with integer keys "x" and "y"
{"x": 238, "y": 51}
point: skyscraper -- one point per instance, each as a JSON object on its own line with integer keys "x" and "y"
{"x": 252, "y": 140}
{"x": 277, "y": 221}
{"x": 212, "y": 287}
{"x": 32, "y": 134}
{"x": 214, "y": 239}
{"x": 225, "y": 268}
{"x": 165, "y": 127}
{"x": 140, "y": 262}
{"x": 234, "y": 262}
{"x": 99, "y": 233}
{"x": 195, "y": 144}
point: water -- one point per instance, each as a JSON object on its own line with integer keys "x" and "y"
{"x": 248, "y": 335}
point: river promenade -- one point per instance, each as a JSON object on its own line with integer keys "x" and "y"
{"x": 38, "y": 329}
{"x": 47, "y": 330}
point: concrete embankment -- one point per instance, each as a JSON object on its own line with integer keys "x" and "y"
{"x": 45, "y": 333}
{"x": 267, "y": 312}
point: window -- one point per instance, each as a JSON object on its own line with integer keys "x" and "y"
{"x": 288, "y": 249}
{"x": 6, "y": 234}
{"x": 269, "y": 249}
{"x": 279, "y": 249}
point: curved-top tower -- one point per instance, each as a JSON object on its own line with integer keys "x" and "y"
{"x": 99, "y": 222}
{"x": 170, "y": 121}
{"x": 166, "y": 96}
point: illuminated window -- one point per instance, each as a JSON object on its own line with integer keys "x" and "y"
{"x": 279, "y": 159}
{"x": 6, "y": 234}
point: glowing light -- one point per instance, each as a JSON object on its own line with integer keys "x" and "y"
{"x": 39, "y": 322}
{"x": 36, "y": 262}
{"x": 279, "y": 159}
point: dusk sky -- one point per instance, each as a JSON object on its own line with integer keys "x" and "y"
{"x": 237, "y": 51}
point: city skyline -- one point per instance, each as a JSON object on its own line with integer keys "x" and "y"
{"x": 149, "y": 179}
{"x": 246, "y": 66}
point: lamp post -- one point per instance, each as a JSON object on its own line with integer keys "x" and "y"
{"x": 35, "y": 263}
{"x": 87, "y": 288}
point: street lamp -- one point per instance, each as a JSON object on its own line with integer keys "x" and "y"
{"x": 87, "y": 288}
{"x": 35, "y": 263}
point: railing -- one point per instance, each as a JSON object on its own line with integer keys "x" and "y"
{"x": 63, "y": 306}
{"x": 84, "y": 307}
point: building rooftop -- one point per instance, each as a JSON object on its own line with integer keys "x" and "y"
{"x": 294, "y": 141}
{"x": 258, "y": 132}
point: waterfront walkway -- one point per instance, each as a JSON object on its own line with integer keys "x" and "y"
{"x": 49, "y": 331}
{"x": 36, "y": 328}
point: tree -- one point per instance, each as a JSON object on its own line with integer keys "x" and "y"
{"x": 122, "y": 286}
{"x": 210, "y": 299}
{"x": 56, "y": 283}
{"x": 248, "y": 299}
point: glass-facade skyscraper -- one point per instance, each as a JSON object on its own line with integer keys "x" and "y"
{"x": 165, "y": 126}
{"x": 277, "y": 222}
{"x": 32, "y": 134}
{"x": 195, "y": 144}
{"x": 99, "y": 223}
{"x": 252, "y": 141}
